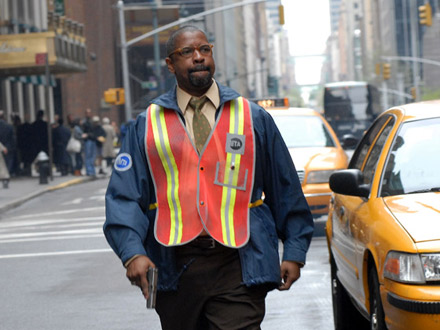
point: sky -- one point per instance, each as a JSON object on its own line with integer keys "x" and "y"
{"x": 308, "y": 26}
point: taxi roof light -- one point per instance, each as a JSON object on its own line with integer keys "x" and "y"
{"x": 271, "y": 103}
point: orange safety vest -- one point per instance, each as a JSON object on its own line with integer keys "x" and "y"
{"x": 211, "y": 191}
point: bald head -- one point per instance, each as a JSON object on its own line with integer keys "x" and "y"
{"x": 171, "y": 43}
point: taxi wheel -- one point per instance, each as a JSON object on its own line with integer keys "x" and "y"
{"x": 345, "y": 315}
{"x": 377, "y": 315}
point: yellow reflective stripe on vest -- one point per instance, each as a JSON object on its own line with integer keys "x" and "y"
{"x": 232, "y": 168}
{"x": 257, "y": 203}
{"x": 163, "y": 147}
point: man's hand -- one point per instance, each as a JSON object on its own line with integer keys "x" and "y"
{"x": 290, "y": 272}
{"x": 137, "y": 273}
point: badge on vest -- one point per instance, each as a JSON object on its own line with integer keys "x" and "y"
{"x": 235, "y": 143}
{"x": 123, "y": 162}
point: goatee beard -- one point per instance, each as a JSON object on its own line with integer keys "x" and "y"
{"x": 198, "y": 81}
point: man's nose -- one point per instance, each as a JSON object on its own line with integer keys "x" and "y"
{"x": 197, "y": 56}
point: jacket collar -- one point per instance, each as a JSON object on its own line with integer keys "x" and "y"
{"x": 169, "y": 99}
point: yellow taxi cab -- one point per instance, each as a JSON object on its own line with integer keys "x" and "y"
{"x": 383, "y": 227}
{"x": 314, "y": 147}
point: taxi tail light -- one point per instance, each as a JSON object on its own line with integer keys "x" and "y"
{"x": 404, "y": 267}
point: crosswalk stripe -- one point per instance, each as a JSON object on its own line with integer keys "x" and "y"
{"x": 58, "y": 253}
{"x": 45, "y": 214}
{"x": 53, "y": 238}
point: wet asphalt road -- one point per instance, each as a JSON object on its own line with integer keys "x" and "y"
{"x": 57, "y": 272}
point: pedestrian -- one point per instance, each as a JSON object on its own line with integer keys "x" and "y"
{"x": 76, "y": 155}
{"x": 7, "y": 138}
{"x": 60, "y": 138}
{"x": 14, "y": 154}
{"x": 89, "y": 144}
{"x": 24, "y": 146}
{"x": 99, "y": 134}
{"x": 207, "y": 214}
{"x": 4, "y": 172}
{"x": 108, "y": 150}
{"x": 39, "y": 135}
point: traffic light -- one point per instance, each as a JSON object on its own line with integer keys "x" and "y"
{"x": 281, "y": 14}
{"x": 425, "y": 14}
{"x": 386, "y": 71}
{"x": 114, "y": 96}
{"x": 377, "y": 69}
{"x": 413, "y": 93}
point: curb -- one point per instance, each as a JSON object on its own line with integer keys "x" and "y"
{"x": 24, "y": 199}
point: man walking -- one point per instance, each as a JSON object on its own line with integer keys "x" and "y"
{"x": 186, "y": 197}
{"x": 89, "y": 144}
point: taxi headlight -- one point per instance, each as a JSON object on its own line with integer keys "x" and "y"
{"x": 404, "y": 267}
{"x": 431, "y": 266}
{"x": 319, "y": 176}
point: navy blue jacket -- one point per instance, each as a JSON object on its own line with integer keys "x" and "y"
{"x": 284, "y": 215}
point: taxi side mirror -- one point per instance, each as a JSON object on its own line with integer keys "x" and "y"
{"x": 349, "y": 182}
{"x": 349, "y": 141}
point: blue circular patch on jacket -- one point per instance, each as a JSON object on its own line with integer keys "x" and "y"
{"x": 123, "y": 162}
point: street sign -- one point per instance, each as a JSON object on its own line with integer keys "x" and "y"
{"x": 149, "y": 85}
{"x": 40, "y": 58}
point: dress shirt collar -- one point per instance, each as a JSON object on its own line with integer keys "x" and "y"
{"x": 212, "y": 94}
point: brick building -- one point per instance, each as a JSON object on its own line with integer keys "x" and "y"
{"x": 80, "y": 40}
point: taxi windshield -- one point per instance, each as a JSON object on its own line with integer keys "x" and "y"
{"x": 304, "y": 131}
{"x": 414, "y": 159}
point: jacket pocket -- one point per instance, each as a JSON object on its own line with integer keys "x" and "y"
{"x": 229, "y": 175}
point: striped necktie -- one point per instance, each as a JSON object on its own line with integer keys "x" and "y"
{"x": 201, "y": 127}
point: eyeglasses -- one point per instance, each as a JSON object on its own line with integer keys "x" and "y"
{"x": 205, "y": 49}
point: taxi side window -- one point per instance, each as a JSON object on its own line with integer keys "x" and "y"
{"x": 370, "y": 148}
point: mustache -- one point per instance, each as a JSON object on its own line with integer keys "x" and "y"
{"x": 199, "y": 67}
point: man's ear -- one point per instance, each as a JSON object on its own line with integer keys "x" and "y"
{"x": 170, "y": 65}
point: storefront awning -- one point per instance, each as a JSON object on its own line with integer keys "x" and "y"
{"x": 22, "y": 54}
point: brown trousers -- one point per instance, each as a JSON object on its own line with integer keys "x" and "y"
{"x": 210, "y": 293}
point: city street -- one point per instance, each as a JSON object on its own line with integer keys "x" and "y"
{"x": 57, "y": 272}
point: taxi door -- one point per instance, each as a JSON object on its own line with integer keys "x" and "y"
{"x": 352, "y": 215}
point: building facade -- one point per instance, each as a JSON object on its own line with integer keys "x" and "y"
{"x": 374, "y": 33}
{"x": 78, "y": 37}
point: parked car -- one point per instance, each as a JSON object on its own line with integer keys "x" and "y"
{"x": 315, "y": 150}
{"x": 383, "y": 227}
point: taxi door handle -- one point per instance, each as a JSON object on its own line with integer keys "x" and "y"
{"x": 342, "y": 211}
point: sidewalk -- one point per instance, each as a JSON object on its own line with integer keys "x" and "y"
{"x": 22, "y": 189}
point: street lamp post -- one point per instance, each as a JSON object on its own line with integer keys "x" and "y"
{"x": 126, "y": 44}
{"x": 124, "y": 59}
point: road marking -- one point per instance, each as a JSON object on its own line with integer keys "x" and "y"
{"x": 73, "y": 201}
{"x": 89, "y": 209}
{"x": 36, "y": 239}
{"x": 36, "y": 222}
{"x": 42, "y": 227}
{"x": 48, "y": 254}
{"x": 47, "y": 233}
{"x": 97, "y": 198}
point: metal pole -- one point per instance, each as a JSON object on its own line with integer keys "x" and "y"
{"x": 190, "y": 18}
{"x": 125, "y": 44}
{"x": 401, "y": 87}
{"x": 157, "y": 51}
{"x": 411, "y": 59}
{"x": 50, "y": 115}
{"x": 385, "y": 95}
{"x": 124, "y": 59}
{"x": 414, "y": 28}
